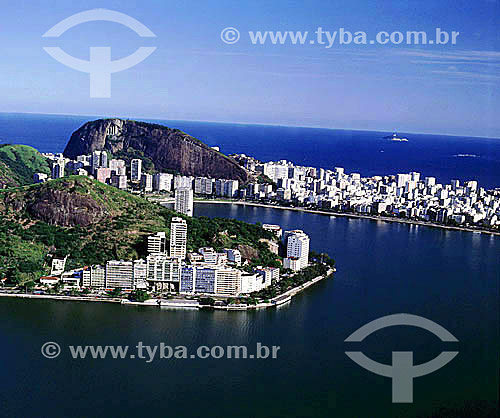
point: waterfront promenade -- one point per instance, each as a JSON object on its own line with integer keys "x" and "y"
{"x": 171, "y": 303}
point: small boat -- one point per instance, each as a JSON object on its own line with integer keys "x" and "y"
{"x": 395, "y": 137}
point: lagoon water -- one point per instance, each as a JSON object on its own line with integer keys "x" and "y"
{"x": 449, "y": 277}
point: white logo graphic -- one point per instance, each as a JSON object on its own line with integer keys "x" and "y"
{"x": 230, "y": 35}
{"x": 100, "y": 67}
{"x": 402, "y": 371}
{"x": 51, "y": 350}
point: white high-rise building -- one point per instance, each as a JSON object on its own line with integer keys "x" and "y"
{"x": 430, "y": 181}
{"x": 181, "y": 182}
{"x": 135, "y": 170}
{"x": 225, "y": 187}
{"x": 163, "y": 272}
{"x": 95, "y": 277}
{"x": 157, "y": 243}
{"x": 297, "y": 249}
{"x": 118, "y": 167}
{"x": 162, "y": 182}
{"x": 227, "y": 282}
{"x": 120, "y": 274}
{"x": 233, "y": 255}
{"x": 184, "y": 201}
{"x": 178, "y": 238}
{"x": 203, "y": 185}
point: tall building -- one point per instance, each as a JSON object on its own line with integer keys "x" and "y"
{"x": 181, "y": 182}
{"x": 104, "y": 159}
{"x": 203, "y": 185}
{"x": 157, "y": 243}
{"x": 226, "y": 188}
{"x": 140, "y": 274}
{"x": 233, "y": 255}
{"x": 297, "y": 249}
{"x": 178, "y": 238}
{"x": 209, "y": 255}
{"x": 162, "y": 182}
{"x": 58, "y": 169}
{"x": 102, "y": 174}
{"x": 135, "y": 170}
{"x": 227, "y": 282}
{"x": 147, "y": 182}
{"x": 119, "y": 274}
{"x": 118, "y": 167}
{"x": 99, "y": 159}
{"x": 164, "y": 273}
{"x": 184, "y": 201}
{"x": 430, "y": 181}
{"x": 119, "y": 181}
{"x": 95, "y": 277}
{"x": 269, "y": 274}
{"x": 198, "y": 279}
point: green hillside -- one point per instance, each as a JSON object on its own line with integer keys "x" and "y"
{"x": 93, "y": 223}
{"x": 18, "y": 163}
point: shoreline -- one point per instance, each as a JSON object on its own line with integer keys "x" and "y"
{"x": 348, "y": 215}
{"x": 176, "y": 303}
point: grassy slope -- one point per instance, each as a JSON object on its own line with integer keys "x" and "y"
{"x": 8, "y": 178}
{"x": 25, "y": 241}
{"x": 19, "y": 162}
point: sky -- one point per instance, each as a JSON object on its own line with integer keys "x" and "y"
{"x": 194, "y": 75}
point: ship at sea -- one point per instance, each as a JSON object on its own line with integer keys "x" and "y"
{"x": 395, "y": 137}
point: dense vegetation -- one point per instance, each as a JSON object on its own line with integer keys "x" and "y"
{"x": 20, "y": 162}
{"x": 294, "y": 280}
{"x": 26, "y": 241}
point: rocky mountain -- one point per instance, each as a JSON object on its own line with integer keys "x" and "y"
{"x": 168, "y": 149}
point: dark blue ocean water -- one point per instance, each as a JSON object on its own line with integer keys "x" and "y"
{"x": 444, "y": 157}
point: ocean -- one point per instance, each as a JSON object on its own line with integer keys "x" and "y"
{"x": 364, "y": 152}
{"x": 450, "y": 277}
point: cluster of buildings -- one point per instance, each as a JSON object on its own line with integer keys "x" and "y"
{"x": 404, "y": 195}
{"x": 170, "y": 267}
{"x": 117, "y": 173}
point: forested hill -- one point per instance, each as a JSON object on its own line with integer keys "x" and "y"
{"x": 94, "y": 223}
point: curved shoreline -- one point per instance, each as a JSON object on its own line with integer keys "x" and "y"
{"x": 348, "y": 215}
{"x": 276, "y": 301}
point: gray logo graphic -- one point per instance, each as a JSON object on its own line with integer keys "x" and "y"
{"x": 402, "y": 371}
{"x": 100, "y": 67}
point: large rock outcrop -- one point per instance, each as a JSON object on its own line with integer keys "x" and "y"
{"x": 169, "y": 149}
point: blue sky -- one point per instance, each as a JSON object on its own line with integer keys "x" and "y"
{"x": 193, "y": 75}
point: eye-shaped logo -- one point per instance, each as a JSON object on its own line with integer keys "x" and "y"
{"x": 402, "y": 371}
{"x": 100, "y": 67}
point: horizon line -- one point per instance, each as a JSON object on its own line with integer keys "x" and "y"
{"x": 243, "y": 123}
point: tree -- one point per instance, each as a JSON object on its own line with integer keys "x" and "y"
{"x": 116, "y": 292}
{"x": 139, "y": 296}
